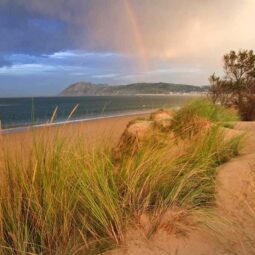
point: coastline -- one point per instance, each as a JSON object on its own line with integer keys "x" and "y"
{"x": 99, "y": 131}
{"x": 75, "y": 121}
{"x": 40, "y": 111}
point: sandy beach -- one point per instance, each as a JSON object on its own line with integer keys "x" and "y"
{"x": 108, "y": 129}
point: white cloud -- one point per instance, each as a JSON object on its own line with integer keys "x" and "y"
{"x": 105, "y": 76}
{"x": 35, "y": 69}
{"x": 25, "y": 69}
{"x": 174, "y": 70}
{"x": 83, "y": 54}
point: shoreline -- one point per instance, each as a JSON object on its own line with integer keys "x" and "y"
{"x": 20, "y": 129}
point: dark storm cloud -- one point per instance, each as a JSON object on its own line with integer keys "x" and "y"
{"x": 4, "y": 61}
{"x": 183, "y": 29}
{"x": 167, "y": 27}
{"x": 23, "y": 31}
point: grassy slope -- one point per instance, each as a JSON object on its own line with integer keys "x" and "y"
{"x": 59, "y": 198}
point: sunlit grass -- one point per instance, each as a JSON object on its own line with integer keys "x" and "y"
{"x": 199, "y": 114}
{"x": 60, "y": 197}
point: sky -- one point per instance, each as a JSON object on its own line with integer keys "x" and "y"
{"x": 45, "y": 45}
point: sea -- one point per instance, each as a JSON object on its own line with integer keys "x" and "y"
{"x": 24, "y": 112}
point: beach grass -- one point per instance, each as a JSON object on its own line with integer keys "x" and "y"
{"x": 57, "y": 196}
{"x": 198, "y": 114}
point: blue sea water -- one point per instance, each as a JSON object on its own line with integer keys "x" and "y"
{"x": 18, "y": 112}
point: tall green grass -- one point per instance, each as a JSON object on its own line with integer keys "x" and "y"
{"x": 208, "y": 110}
{"x": 58, "y": 197}
{"x": 180, "y": 174}
{"x": 195, "y": 115}
{"x": 60, "y": 200}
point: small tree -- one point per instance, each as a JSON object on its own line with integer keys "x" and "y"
{"x": 237, "y": 87}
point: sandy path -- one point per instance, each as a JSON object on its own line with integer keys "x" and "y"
{"x": 249, "y": 128}
{"x": 236, "y": 195}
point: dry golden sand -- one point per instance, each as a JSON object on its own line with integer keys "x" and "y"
{"x": 93, "y": 131}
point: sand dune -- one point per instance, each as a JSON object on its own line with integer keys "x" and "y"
{"x": 230, "y": 229}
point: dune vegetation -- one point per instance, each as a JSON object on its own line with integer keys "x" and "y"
{"x": 237, "y": 87}
{"x": 57, "y": 196}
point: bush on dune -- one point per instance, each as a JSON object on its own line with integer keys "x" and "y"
{"x": 237, "y": 87}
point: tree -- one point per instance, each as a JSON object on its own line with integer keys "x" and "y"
{"x": 237, "y": 87}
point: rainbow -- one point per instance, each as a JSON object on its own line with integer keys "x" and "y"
{"x": 143, "y": 59}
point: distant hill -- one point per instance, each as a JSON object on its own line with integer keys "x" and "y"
{"x": 90, "y": 89}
